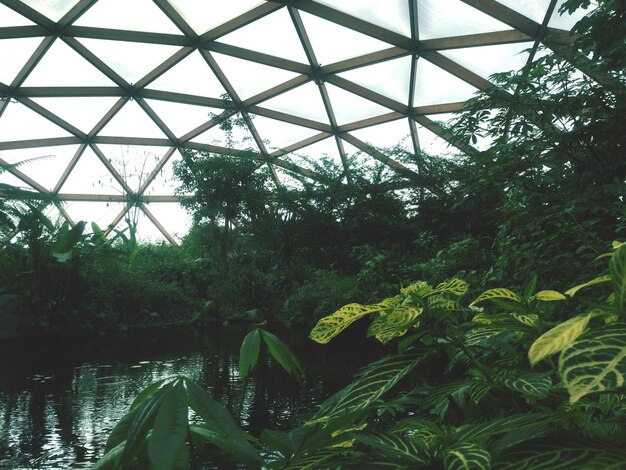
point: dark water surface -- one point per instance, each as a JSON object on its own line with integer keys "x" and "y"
{"x": 60, "y": 399}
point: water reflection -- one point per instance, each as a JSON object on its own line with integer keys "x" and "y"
{"x": 60, "y": 399}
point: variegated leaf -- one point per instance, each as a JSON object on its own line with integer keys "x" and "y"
{"x": 442, "y": 392}
{"x": 312, "y": 461}
{"x": 595, "y": 363}
{"x": 416, "y": 428}
{"x": 467, "y": 456}
{"x": 617, "y": 269}
{"x": 478, "y": 391}
{"x": 478, "y": 335}
{"x": 453, "y": 286}
{"x": 370, "y": 384}
{"x": 533, "y": 385}
{"x": 386, "y": 327}
{"x": 329, "y": 327}
{"x": 548, "y": 296}
{"x": 420, "y": 288}
{"x": 395, "y": 446}
{"x": 504, "y": 425}
{"x": 598, "y": 280}
{"x": 530, "y": 319}
{"x": 558, "y": 338}
{"x": 567, "y": 454}
{"x": 439, "y": 302}
{"x": 498, "y": 293}
{"x": 483, "y": 317}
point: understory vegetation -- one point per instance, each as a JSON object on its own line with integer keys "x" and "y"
{"x": 487, "y": 277}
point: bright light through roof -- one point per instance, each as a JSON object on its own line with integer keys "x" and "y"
{"x": 128, "y": 84}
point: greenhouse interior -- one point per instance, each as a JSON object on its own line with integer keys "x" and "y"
{"x": 313, "y": 234}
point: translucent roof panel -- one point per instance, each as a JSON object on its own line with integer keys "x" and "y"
{"x": 76, "y": 70}
{"x": 139, "y": 15}
{"x": 131, "y": 60}
{"x": 349, "y": 107}
{"x": 566, "y": 21}
{"x": 304, "y": 101}
{"x": 273, "y": 34}
{"x": 332, "y": 42}
{"x": 203, "y": 16}
{"x": 129, "y": 85}
{"x": 444, "y": 18}
{"x": 53, "y": 9}
{"x": 250, "y": 78}
{"x": 14, "y": 53}
{"x": 487, "y": 60}
{"x": 436, "y": 86}
{"x": 14, "y": 118}
{"x": 191, "y": 75}
{"x": 394, "y": 16}
{"x": 390, "y": 78}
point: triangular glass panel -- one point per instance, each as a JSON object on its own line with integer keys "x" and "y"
{"x": 75, "y": 70}
{"x": 567, "y": 21}
{"x": 53, "y": 9}
{"x": 138, "y": 15}
{"x": 131, "y": 60}
{"x": 90, "y": 176}
{"x": 332, "y": 43}
{"x": 387, "y": 135}
{"x": 249, "y": 78}
{"x": 14, "y": 53}
{"x": 445, "y": 119}
{"x": 278, "y": 134}
{"x": 165, "y": 182}
{"x": 390, "y": 14}
{"x": 323, "y": 155}
{"x": 435, "y": 86}
{"x": 83, "y": 113}
{"x": 48, "y": 166}
{"x": 132, "y": 121}
{"x": 432, "y": 144}
{"x": 236, "y": 136}
{"x": 349, "y": 107}
{"x": 9, "y": 178}
{"x": 176, "y": 220}
{"x": 304, "y": 101}
{"x": 273, "y": 34}
{"x": 390, "y": 78}
{"x": 20, "y": 123}
{"x": 134, "y": 163}
{"x": 191, "y": 76}
{"x": 535, "y": 9}
{"x": 9, "y": 17}
{"x": 445, "y": 18}
{"x": 204, "y": 16}
{"x": 182, "y": 118}
{"x": 487, "y": 60}
{"x": 102, "y": 213}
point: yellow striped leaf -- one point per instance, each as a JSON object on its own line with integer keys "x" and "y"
{"x": 548, "y": 296}
{"x": 558, "y": 338}
{"x": 598, "y": 280}
{"x": 498, "y": 293}
{"x": 527, "y": 319}
{"x": 420, "y": 288}
{"x": 453, "y": 286}
{"x": 595, "y": 363}
{"x": 386, "y": 327}
{"x": 467, "y": 456}
{"x": 329, "y": 327}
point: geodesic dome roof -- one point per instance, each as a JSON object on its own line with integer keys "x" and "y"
{"x": 110, "y": 91}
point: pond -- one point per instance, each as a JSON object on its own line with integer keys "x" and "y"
{"x": 59, "y": 399}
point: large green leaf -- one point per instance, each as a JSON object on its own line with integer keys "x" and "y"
{"x": 249, "y": 352}
{"x": 498, "y": 293}
{"x": 599, "y": 280}
{"x": 110, "y": 460}
{"x": 238, "y": 448}
{"x": 596, "y": 362}
{"x": 170, "y": 429}
{"x": 617, "y": 269}
{"x": 329, "y": 327}
{"x": 283, "y": 355}
{"x": 503, "y": 425}
{"x": 393, "y": 445}
{"x": 534, "y": 385}
{"x": 313, "y": 461}
{"x": 371, "y": 383}
{"x": 386, "y": 327}
{"x": 467, "y": 456}
{"x": 558, "y": 338}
